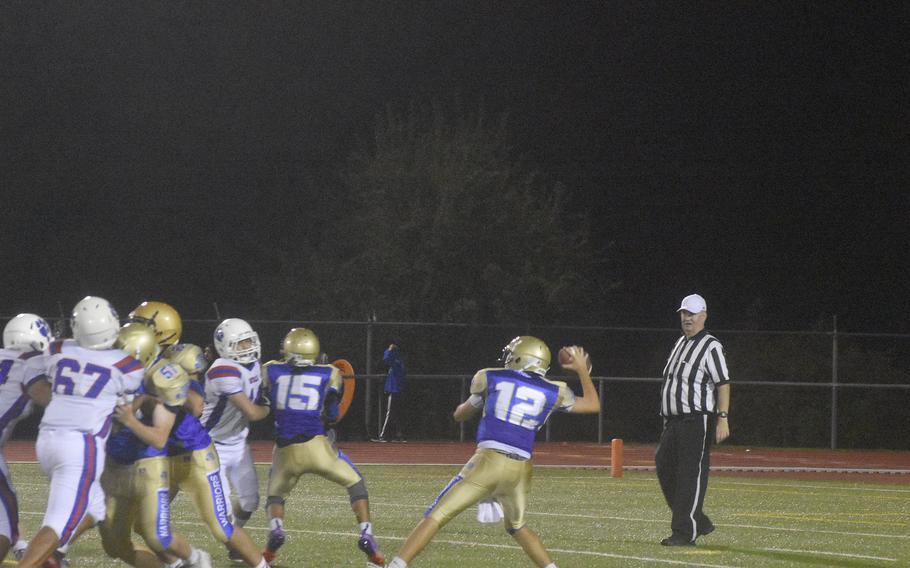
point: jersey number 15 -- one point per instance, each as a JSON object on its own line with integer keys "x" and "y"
{"x": 298, "y": 392}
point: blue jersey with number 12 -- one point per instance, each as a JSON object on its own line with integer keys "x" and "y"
{"x": 517, "y": 404}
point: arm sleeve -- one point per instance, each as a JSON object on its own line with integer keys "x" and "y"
{"x": 225, "y": 380}
{"x": 331, "y": 406}
{"x": 717, "y": 364}
{"x": 479, "y": 383}
{"x": 35, "y": 367}
{"x": 336, "y": 382}
{"x": 566, "y": 398}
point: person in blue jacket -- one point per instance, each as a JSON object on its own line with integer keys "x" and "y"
{"x": 394, "y": 389}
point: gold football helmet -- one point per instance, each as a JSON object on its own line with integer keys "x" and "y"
{"x": 527, "y": 353}
{"x": 164, "y": 318}
{"x": 138, "y": 340}
{"x": 300, "y": 347}
{"x": 189, "y": 357}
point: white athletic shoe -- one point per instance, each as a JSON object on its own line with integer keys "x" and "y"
{"x": 205, "y": 559}
{"x": 19, "y": 549}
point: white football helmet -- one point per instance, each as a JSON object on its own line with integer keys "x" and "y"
{"x": 228, "y": 336}
{"x": 27, "y": 332}
{"x": 95, "y": 323}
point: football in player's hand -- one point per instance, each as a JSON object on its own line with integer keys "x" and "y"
{"x": 566, "y": 357}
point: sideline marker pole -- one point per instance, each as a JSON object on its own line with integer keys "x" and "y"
{"x": 616, "y": 457}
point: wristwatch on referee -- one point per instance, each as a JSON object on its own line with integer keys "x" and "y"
{"x": 722, "y": 414}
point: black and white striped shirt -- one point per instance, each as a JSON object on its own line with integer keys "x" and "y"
{"x": 695, "y": 369}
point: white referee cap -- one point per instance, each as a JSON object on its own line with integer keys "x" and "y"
{"x": 693, "y": 303}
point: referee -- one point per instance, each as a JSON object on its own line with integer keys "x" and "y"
{"x": 694, "y": 403}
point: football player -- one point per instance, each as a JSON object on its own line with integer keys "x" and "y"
{"x": 516, "y": 400}
{"x": 234, "y": 397}
{"x": 194, "y": 463}
{"x": 89, "y": 376}
{"x": 26, "y": 339}
{"x": 304, "y": 394}
{"x": 136, "y": 475}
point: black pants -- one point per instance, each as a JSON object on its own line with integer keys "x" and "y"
{"x": 683, "y": 460}
{"x": 393, "y": 416}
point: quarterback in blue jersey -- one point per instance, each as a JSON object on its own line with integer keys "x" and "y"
{"x": 305, "y": 395}
{"x": 516, "y": 401}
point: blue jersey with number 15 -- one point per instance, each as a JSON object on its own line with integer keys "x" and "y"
{"x": 299, "y": 397}
{"x": 517, "y": 404}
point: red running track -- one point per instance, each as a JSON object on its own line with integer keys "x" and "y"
{"x": 878, "y": 466}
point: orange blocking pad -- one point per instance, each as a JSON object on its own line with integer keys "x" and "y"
{"x": 616, "y": 457}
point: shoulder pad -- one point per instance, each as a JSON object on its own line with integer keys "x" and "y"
{"x": 169, "y": 382}
{"x": 560, "y": 384}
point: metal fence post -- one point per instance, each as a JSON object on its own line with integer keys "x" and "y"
{"x": 834, "y": 386}
{"x": 600, "y": 415}
{"x": 463, "y": 397}
{"x": 369, "y": 382}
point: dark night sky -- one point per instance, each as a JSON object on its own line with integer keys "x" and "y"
{"x": 757, "y": 154}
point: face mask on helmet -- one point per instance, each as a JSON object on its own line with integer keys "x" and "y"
{"x": 300, "y": 347}
{"x": 527, "y": 353}
{"x": 27, "y": 332}
{"x": 95, "y": 323}
{"x": 236, "y": 340}
{"x": 138, "y": 340}
{"x": 164, "y": 318}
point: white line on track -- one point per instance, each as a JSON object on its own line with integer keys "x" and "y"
{"x": 803, "y": 486}
{"x": 825, "y": 553}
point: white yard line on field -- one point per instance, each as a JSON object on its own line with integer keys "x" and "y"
{"x": 825, "y": 553}
{"x": 474, "y": 544}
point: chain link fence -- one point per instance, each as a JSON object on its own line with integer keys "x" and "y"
{"x": 820, "y": 388}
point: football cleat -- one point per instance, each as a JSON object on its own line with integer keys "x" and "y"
{"x": 19, "y": 549}
{"x": 205, "y": 560}
{"x": 276, "y": 539}
{"x": 368, "y": 545}
{"x": 234, "y": 556}
{"x": 56, "y": 560}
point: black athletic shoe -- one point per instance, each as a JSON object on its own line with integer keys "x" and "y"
{"x": 675, "y": 540}
{"x": 706, "y": 530}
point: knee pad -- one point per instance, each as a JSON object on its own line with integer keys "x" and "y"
{"x": 115, "y": 547}
{"x": 358, "y": 491}
{"x": 248, "y": 504}
{"x": 274, "y": 500}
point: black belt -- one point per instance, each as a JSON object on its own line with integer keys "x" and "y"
{"x": 684, "y": 417}
{"x": 298, "y": 439}
{"x": 510, "y": 455}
